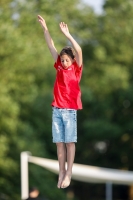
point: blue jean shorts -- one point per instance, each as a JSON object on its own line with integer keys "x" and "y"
{"x": 64, "y": 125}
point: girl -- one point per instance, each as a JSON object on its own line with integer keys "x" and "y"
{"x": 66, "y": 101}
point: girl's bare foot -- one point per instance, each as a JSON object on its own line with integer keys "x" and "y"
{"x": 60, "y": 179}
{"x": 66, "y": 181}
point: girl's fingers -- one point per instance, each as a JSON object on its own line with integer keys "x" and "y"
{"x": 40, "y": 18}
{"x": 62, "y": 23}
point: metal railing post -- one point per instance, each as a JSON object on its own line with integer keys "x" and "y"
{"x": 24, "y": 175}
{"x": 108, "y": 191}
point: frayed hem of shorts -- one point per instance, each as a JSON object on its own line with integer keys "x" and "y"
{"x": 64, "y": 141}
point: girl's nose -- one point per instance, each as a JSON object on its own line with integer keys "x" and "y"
{"x": 65, "y": 62}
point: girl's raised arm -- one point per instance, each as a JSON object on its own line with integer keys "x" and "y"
{"x": 48, "y": 38}
{"x": 77, "y": 48}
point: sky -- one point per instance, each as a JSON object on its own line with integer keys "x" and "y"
{"x": 95, "y": 4}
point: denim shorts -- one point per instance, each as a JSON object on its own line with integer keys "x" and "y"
{"x": 64, "y": 125}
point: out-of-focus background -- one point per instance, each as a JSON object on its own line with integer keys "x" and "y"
{"x": 105, "y": 125}
{"x": 97, "y": 5}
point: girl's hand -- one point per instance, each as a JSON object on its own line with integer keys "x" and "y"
{"x": 42, "y": 22}
{"x": 64, "y": 28}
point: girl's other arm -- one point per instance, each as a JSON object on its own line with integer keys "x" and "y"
{"x": 77, "y": 48}
{"x": 48, "y": 38}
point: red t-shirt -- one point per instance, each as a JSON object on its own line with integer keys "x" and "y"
{"x": 66, "y": 91}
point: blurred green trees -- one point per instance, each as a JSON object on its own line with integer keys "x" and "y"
{"x": 26, "y": 81}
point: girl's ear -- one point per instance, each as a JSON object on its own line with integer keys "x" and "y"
{"x": 74, "y": 59}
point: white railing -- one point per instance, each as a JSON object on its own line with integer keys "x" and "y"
{"x": 82, "y": 173}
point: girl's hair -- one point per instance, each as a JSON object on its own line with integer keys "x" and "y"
{"x": 68, "y": 51}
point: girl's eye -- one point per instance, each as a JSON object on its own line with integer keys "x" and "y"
{"x": 63, "y": 60}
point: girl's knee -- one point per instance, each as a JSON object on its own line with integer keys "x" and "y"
{"x": 60, "y": 144}
{"x": 71, "y": 144}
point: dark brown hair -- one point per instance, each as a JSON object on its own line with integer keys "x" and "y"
{"x": 68, "y": 51}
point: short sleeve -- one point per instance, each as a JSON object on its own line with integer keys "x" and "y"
{"x": 57, "y": 63}
{"x": 78, "y": 71}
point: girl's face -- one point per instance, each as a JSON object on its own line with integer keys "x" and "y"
{"x": 66, "y": 61}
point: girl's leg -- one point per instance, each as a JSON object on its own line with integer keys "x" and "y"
{"x": 61, "y": 153}
{"x": 70, "y": 159}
